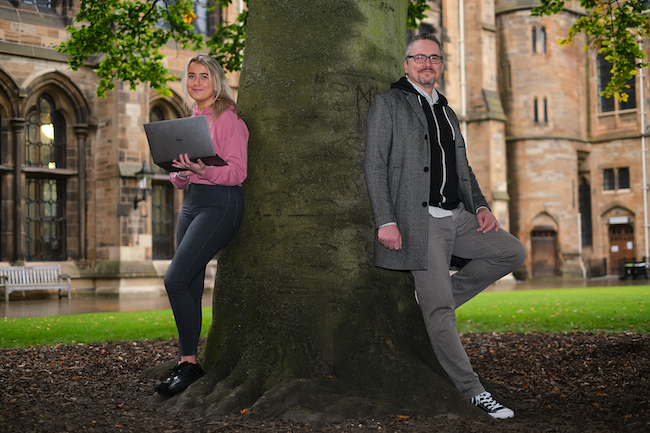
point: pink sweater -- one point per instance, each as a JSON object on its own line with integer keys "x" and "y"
{"x": 230, "y": 138}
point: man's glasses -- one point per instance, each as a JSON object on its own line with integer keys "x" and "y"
{"x": 421, "y": 58}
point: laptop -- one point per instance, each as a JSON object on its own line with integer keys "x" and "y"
{"x": 170, "y": 138}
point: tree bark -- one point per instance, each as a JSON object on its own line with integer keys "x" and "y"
{"x": 304, "y": 326}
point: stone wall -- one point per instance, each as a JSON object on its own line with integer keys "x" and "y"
{"x": 109, "y": 240}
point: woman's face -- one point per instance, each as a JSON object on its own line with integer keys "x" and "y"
{"x": 199, "y": 85}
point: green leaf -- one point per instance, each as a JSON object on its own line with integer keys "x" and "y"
{"x": 127, "y": 37}
{"x": 122, "y": 39}
{"x": 416, "y": 13}
{"x": 615, "y": 29}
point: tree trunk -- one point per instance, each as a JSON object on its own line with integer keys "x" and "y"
{"x": 303, "y": 326}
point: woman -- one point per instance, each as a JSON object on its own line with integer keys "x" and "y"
{"x": 211, "y": 212}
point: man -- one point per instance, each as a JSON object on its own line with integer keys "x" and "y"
{"x": 428, "y": 206}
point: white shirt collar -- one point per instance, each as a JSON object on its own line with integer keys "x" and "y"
{"x": 431, "y": 99}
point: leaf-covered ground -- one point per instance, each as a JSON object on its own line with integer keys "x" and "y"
{"x": 567, "y": 383}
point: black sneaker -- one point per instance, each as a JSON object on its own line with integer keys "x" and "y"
{"x": 163, "y": 386}
{"x": 495, "y": 409}
{"x": 182, "y": 376}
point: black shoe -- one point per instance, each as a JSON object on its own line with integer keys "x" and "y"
{"x": 163, "y": 386}
{"x": 182, "y": 376}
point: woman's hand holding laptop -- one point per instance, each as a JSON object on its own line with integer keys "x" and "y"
{"x": 188, "y": 167}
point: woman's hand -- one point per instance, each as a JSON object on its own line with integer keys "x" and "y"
{"x": 188, "y": 167}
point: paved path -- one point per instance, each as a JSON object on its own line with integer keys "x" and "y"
{"x": 38, "y": 304}
{"x": 35, "y": 304}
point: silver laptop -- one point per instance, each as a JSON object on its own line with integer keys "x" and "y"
{"x": 170, "y": 138}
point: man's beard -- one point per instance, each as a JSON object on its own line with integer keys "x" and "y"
{"x": 427, "y": 82}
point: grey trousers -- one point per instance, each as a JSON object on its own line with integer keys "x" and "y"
{"x": 493, "y": 255}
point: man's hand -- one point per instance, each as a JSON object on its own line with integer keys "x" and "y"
{"x": 390, "y": 237}
{"x": 486, "y": 221}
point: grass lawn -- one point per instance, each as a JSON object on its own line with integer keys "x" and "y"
{"x": 607, "y": 309}
{"x": 603, "y": 309}
{"x": 92, "y": 328}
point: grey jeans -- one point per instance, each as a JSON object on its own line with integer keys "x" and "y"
{"x": 209, "y": 219}
{"x": 493, "y": 255}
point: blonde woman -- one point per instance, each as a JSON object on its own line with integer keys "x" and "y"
{"x": 211, "y": 212}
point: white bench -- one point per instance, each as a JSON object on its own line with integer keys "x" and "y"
{"x": 14, "y": 278}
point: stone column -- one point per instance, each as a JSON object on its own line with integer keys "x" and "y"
{"x": 18, "y": 129}
{"x": 81, "y": 132}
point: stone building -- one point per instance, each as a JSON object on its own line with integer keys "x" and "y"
{"x": 561, "y": 166}
{"x": 577, "y": 180}
{"x": 68, "y": 159}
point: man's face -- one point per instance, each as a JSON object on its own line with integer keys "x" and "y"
{"x": 425, "y": 74}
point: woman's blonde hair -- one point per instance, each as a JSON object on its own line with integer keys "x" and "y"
{"x": 224, "y": 97}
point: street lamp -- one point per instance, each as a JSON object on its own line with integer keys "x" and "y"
{"x": 143, "y": 177}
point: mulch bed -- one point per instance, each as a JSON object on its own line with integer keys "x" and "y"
{"x": 567, "y": 383}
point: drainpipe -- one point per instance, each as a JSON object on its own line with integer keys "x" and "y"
{"x": 582, "y": 263}
{"x": 643, "y": 164}
{"x": 463, "y": 83}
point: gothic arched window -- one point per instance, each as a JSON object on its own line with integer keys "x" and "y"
{"x": 584, "y": 203}
{"x": 534, "y": 37}
{"x": 162, "y": 206}
{"x": 45, "y": 139}
{"x": 45, "y": 191}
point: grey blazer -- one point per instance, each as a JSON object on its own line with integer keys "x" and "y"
{"x": 397, "y": 164}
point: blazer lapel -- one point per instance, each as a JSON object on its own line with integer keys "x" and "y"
{"x": 414, "y": 102}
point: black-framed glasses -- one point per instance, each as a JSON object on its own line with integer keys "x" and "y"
{"x": 421, "y": 58}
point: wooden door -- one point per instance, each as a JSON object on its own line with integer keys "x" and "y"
{"x": 621, "y": 246}
{"x": 543, "y": 253}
